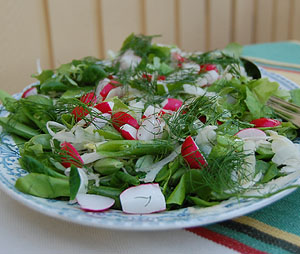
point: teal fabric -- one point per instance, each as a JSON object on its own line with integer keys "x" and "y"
{"x": 284, "y": 214}
{"x": 288, "y": 52}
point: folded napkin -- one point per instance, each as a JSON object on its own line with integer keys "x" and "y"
{"x": 275, "y": 228}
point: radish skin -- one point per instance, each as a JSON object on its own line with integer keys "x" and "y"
{"x": 172, "y": 104}
{"x": 70, "y": 150}
{"x": 191, "y": 154}
{"x": 121, "y": 118}
{"x": 265, "y": 122}
{"x": 30, "y": 91}
{"x": 105, "y": 107}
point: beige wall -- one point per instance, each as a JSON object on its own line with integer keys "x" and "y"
{"x": 57, "y": 31}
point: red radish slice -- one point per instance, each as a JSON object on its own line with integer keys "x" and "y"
{"x": 128, "y": 132}
{"x": 71, "y": 152}
{"x": 176, "y": 56}
{"x": 208, "y": 67}
{"x": 89, "y": 98}
{"x": 143, "y": 199}
{"x": 105, "y": 107}
{"x": 116, "y": 92}
{"x": 265, "y": 122}
{"x": 99, "y": 88}
{"x": 79, "y": 113}
{"x": 191, "y": 154}
{"x": 106, "y": 89}
{"x": 94, "y": 203}
{"x": 251, "y": 133}
{"x": 30, "y": 91}
{"x": 147, "y": 76}
{"x": 172, "y": 104}
{"x": 121, "y": 118}
{"x": 161, "y": 77}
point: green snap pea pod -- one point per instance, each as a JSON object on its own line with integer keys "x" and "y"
{"x": 108, "y": 166}
{"x": 132, "y": 180}
{"x": 108, "y": 192}
{"x": 15, "y": 127}
{"x": 32, "y": 165}
{"x": 120, "y": 148}
{"x": 43, "y": 186}
{"x": 110, "y": 133}
{"x": 200, "y": 202}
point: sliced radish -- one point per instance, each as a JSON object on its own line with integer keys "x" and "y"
{"x": 106, "y": 89}
{"x": 70, "y": 151}
{"x": 94, "y": 203}
{"x": 143, "y": 199}
{"x": 30, "y": 91}
{"x": 99, "y": 88}
{"x": 116, "y": 92}
{"x": 150, "y": 110}
{"x": 251, "y": 133}
{"x": 148, "y": 77}
{"x": 265, "y": 122}
{"x": 161, "y": 77}
{"x": 171, "y": 104}
{"x": 89, "y": 98}
{"x": 79, "y": 113}
{"x": 121, "y": 118}
{"x": 105, "y": 107}
{"x": 208, "y": 67}
{"x": 101, "y": 120}
{"x": 128, "y": 132}
{"x": 151, "y": 128}
{"x": 191, "y": 154}
{"x": 176, "y": 56}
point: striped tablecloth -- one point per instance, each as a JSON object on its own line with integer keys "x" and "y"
{"x": 273, "y": 229}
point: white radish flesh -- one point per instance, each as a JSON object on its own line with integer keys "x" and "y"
{"x": 151, "y": 128}
{"x": 94, "y": 203}
{"x": 143, "y": 199}
{"x": 251, "y": 133}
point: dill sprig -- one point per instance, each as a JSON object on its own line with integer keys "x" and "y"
{"x": 217, "y": 175}
{"x": 184, "y": 122}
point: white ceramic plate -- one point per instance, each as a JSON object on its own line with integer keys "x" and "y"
{"x": 183, "y": 218}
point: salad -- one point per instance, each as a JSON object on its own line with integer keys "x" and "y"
{"x": 151, "y": 128}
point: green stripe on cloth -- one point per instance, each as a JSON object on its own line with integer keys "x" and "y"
{"x": 261, "y": 236}
{"x": 274, "y": 51}
{"x": 284, "y": 214}
{"x": 247, "y": 240}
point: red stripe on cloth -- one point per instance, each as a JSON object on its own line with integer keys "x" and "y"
{"x": 224, "y": 240}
